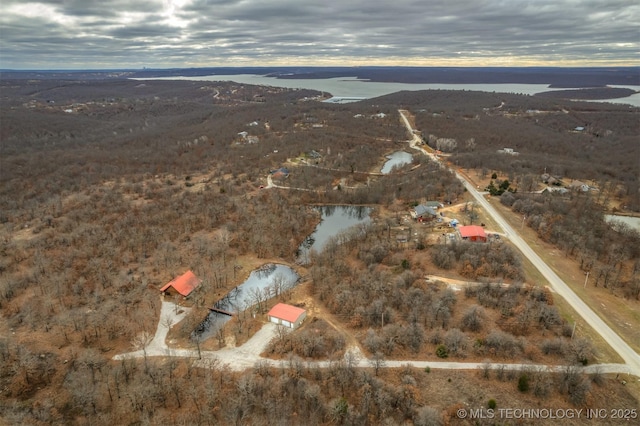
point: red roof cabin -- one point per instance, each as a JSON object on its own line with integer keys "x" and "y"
{"x": 184, "y": 284}
{"x": 473, "y": 233}
{"x": 287, "y": 315}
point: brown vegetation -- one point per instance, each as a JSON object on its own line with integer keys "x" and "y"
{"x": 541, "y": 130}
{"x": 110, "y": 189}
{"x": 575, "y": 224}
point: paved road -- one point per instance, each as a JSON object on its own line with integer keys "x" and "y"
{"x": 630, "y": 357}
{"x": 625, "y": 351}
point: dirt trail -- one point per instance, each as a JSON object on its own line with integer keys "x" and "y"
{"x": 316, "y": 309}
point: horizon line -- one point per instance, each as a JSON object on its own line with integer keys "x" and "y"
{"x": 319, "y": 67}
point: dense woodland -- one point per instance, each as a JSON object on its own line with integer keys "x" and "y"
{"x": 610, "y": 253}
{"x": 109, "y": 189}
{"x": 382, "y": 297}
{"x": 176, "y": 392}
{"x": 543, "y": 132}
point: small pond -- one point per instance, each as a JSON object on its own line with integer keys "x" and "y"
{"x": 335, "y": 219}
{"x": 262, "y": 284}
{"x": 398, "y": 158}
{"x": 633, "y": 222}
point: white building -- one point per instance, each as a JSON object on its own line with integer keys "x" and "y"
{"x": 287, "y": 315}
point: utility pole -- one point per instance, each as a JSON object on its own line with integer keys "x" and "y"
{"x": 574, "y": 330}
{"x": 585, "y": 280}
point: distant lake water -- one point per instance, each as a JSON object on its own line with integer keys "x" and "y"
{"x": 355, "y": 89}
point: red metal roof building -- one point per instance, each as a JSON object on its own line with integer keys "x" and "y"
{"x": 287, "y": 315}
{"x": 184, "y": 284}
{"x": 473, "y": 233}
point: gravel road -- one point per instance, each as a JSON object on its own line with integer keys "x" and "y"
{"x": 248, "y": 355}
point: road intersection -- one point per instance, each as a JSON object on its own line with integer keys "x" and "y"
{"x": 247, "y": 355}
{"x": 630, "y": 356}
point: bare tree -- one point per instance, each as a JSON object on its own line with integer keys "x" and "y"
{"x": 167, "y": 322}
{"x": 377, "y": 362}
{"x": 575, "y": 384}
{"x": 581, "y": 350}
{"x": 428, "y": 416}
{"x": 140, "y": 342}
{"x": 92, "y": 360}
{"x": 473, "y": 318}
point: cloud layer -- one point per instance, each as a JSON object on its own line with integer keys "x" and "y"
{"x": 65, "y": 34}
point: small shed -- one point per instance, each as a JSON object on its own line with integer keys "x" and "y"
{"x": 473, "y": 233}
{"x": 287, "y": 315}
{"x": 184, "y": 284}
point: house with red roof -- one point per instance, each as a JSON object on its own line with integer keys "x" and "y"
{"x": 184, "y": 284}
{"x": 287, "y": 315}
{"x": 472, "y": 233}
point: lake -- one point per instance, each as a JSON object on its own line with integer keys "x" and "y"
{"x": 353, "y": 89}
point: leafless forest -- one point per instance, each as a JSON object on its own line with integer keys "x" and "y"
{"x": 109, "y": 189}
{"x": 543, "y": 131}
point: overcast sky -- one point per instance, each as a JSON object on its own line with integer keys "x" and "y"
{"x": 66, "y": 34}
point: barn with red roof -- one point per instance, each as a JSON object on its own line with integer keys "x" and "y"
{"x": 184, "y": 284}
{"x": 287, "y": 315}
{"x": 472, "y": 233}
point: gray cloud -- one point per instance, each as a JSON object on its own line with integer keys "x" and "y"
{"x": 177, "y": 33}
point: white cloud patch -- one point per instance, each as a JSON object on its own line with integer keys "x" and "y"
{"x": 179, "y": 33}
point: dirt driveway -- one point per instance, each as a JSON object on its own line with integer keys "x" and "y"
{"x": 239, "y": 358}
{"x": 247, "y": 355}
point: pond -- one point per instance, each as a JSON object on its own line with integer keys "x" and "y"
{"x": 262, "y": 284}
{"x": 398, "y": 158}
{"x": 633, "y": 222}
{"x": 271, "y": 279}
{"x": 335, "y": 219}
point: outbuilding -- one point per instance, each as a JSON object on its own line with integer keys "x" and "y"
{"x": 473, "y": 233}
{"x": 184, "y": 284}
{"x": 287, "y": 315}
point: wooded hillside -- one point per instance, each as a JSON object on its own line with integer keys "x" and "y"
{"x": 110, "y": 189}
